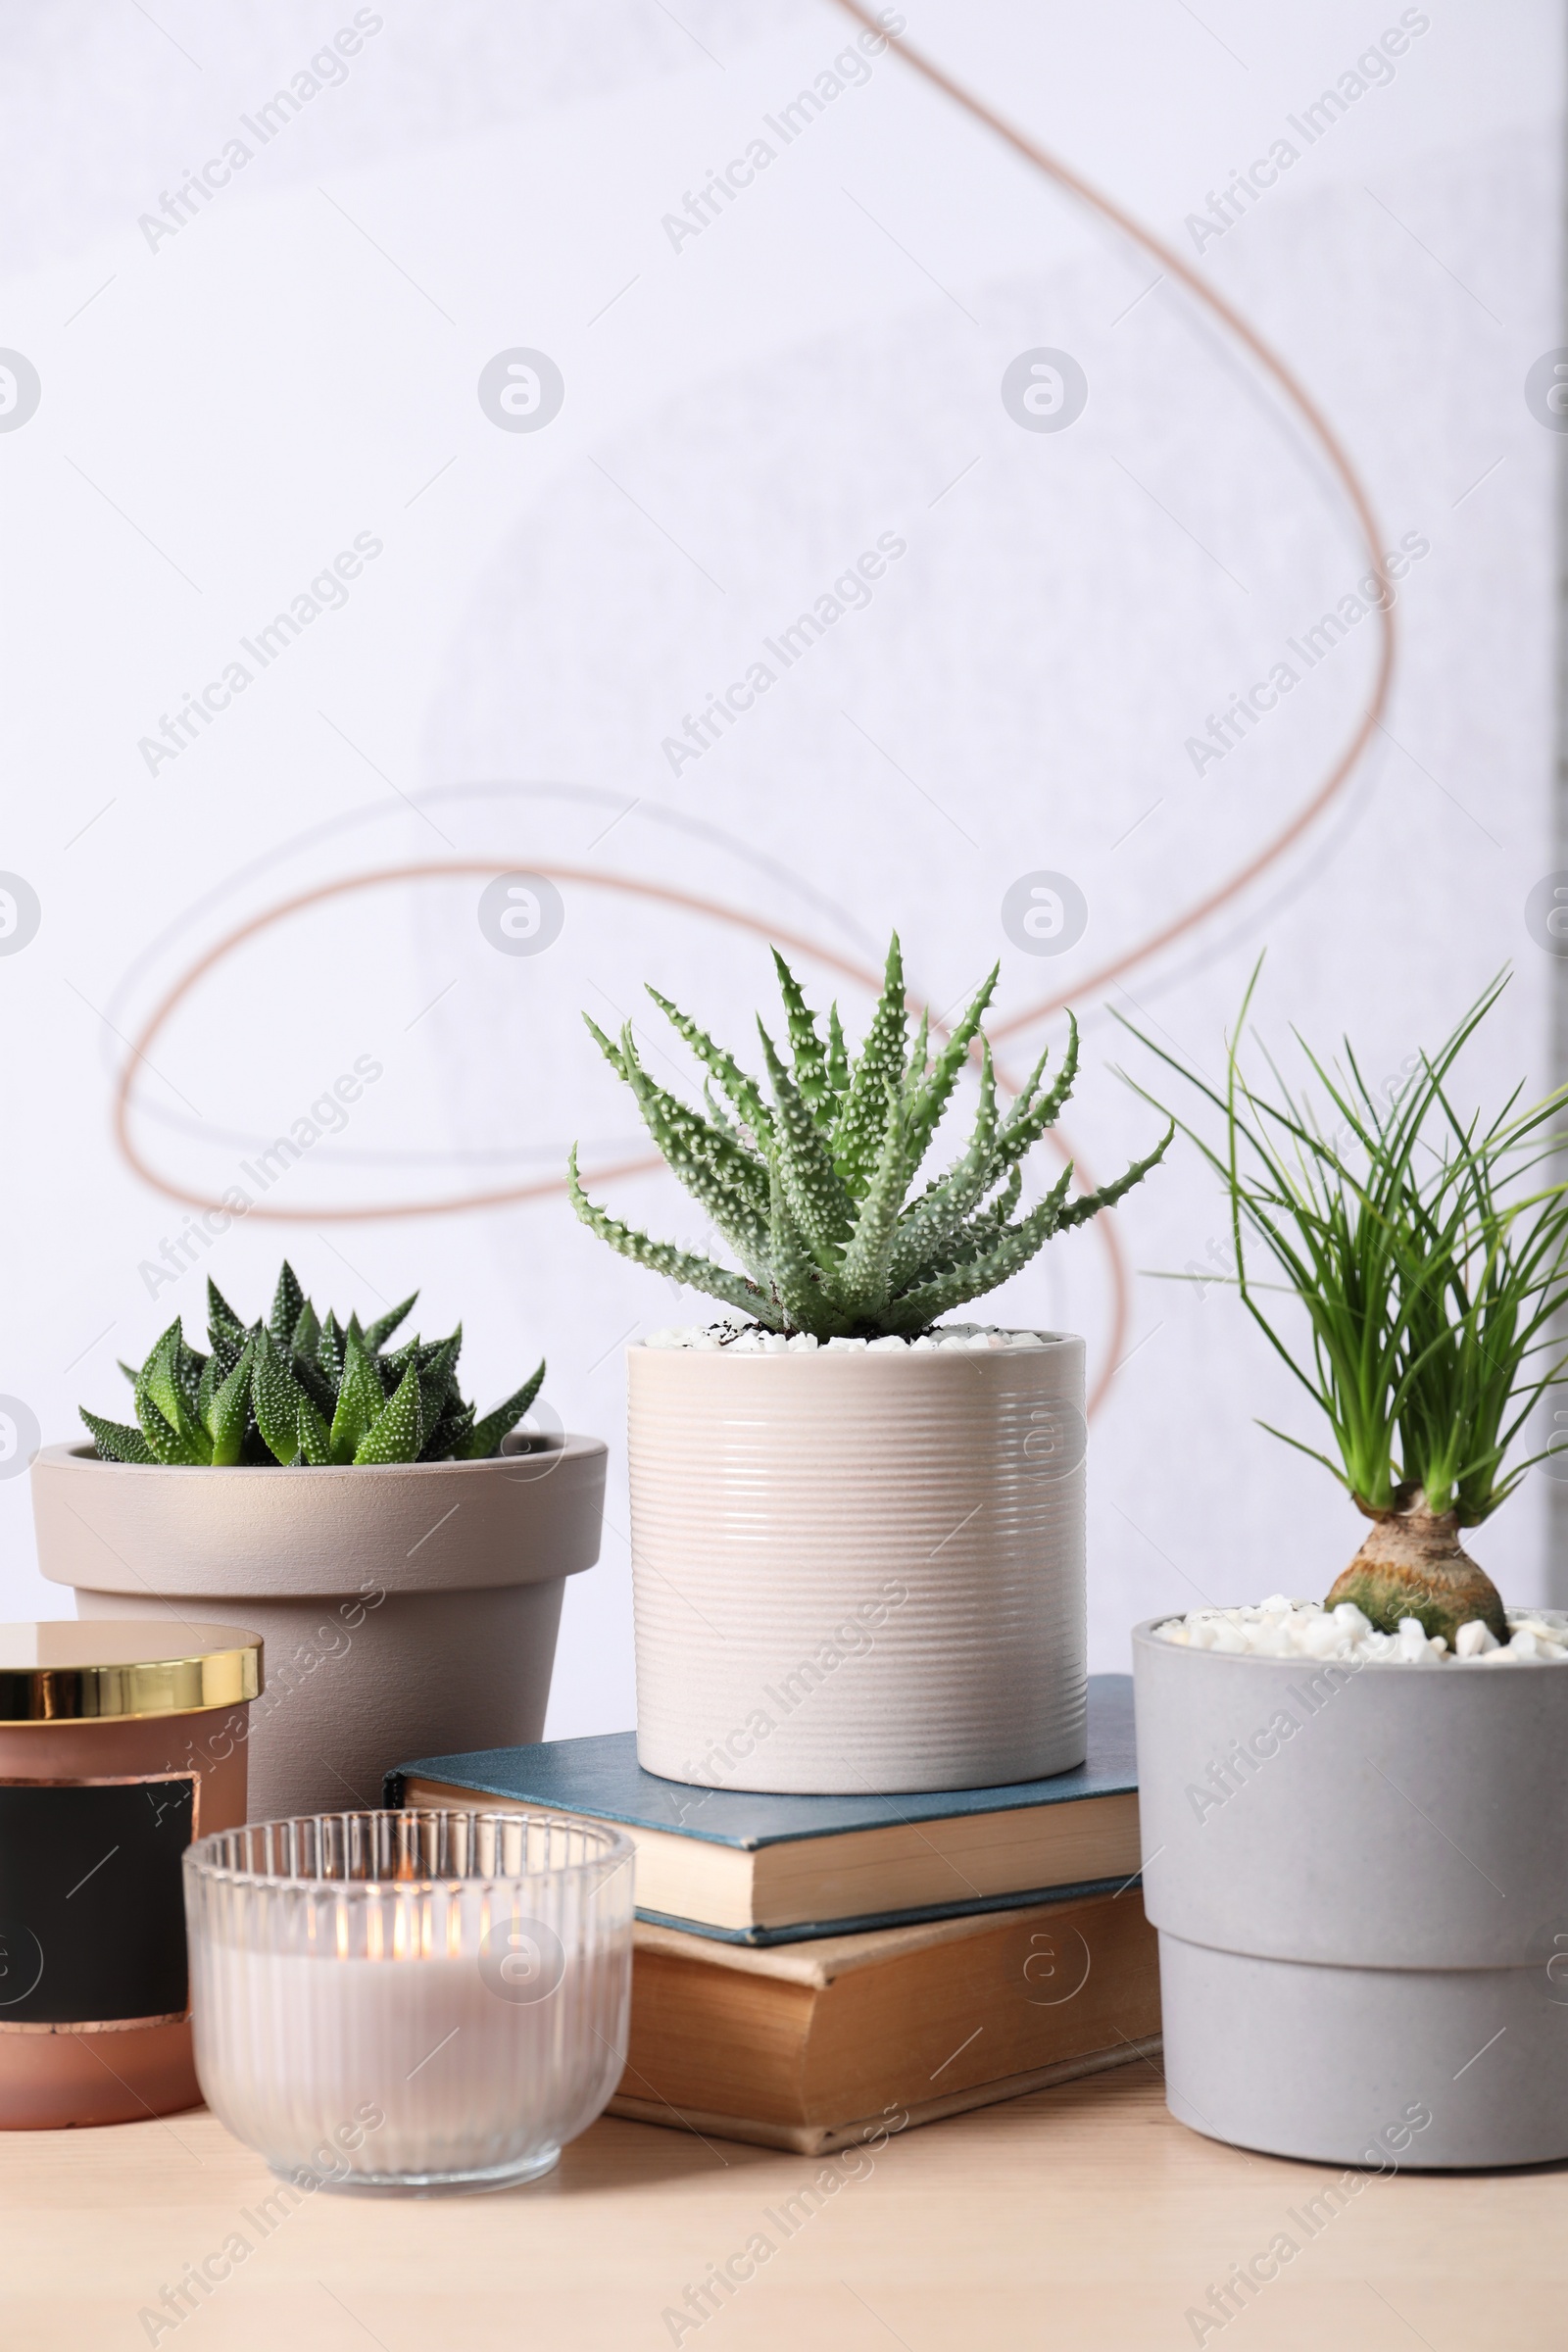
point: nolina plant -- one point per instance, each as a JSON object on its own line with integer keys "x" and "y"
{"x": 809, "y": 1184}
{"x": 1430, "y": 1259}
{"x": 300, "y": 1388}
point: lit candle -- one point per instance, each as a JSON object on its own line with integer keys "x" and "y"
{"x": 453, "y": 2033}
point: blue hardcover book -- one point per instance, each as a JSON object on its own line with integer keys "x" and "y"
{"x": 750, "y": 1869}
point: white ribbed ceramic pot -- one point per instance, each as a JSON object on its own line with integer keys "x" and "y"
{"x": 1360, "y": 1882}
{"x": 858, "y": 1569}
{"x": 408, "y": 1609}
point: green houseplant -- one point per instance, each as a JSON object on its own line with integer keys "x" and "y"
{"x": 1354, "y": 1827}
{"x": 301, "y": 1389}
{"x": 1429, "y": 1253}
{"x": 858, "y": 1539}
{"x": 332, "y": 1490}
{"x": 809, "y": 1184}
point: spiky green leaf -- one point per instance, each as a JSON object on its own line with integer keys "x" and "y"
{"x": 484, "y": 1439}
{"x": 381, "y": 1329}
{"x": 858, "y": 1139}
{"x": 275, "y": 1398}
{"x": 698, "y": 1273}
{"x": 361, "y": 1401}
{"x": 114, "y": 1443}
{"x": 398, "y": 1431}
{"x": 287, "y": 1301}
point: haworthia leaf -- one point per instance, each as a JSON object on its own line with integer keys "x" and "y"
{"x": 329, "y": 1349}
{"x": 229, "y": 1417}
{"x": 485, "y": 1436}
{"x": 287, "y": 1301}
{"x": 172, "y": 1379}
{"x": 307, "y": 1332}
{"x": 381, "y": 1329}
{"x": 166, "y": 1442}
{"x": 314, "y": 1438}
{"x": 221, "y": 1316}
{"x": 276, "y": 1399}
{"x": 361, "y": 1403}
{"x": 397, "y": 1433}
{"x": 316, "y": 1384}
{"x": 114, "y": 1443}
{"x": 224, "y": 1356}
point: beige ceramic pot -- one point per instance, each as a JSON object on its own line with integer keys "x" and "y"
{"x": 859, "y": 1570}
{"x": 409, "y": 1609}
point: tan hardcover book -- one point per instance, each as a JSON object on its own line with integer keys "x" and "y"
{"x": 811, "y": 2045}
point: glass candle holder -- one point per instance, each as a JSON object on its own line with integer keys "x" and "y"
{"x": 418, "y": 2000}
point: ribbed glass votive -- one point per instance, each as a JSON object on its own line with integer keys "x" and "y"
{"x": 416, "y": 2000}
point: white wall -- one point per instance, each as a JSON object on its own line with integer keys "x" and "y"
{"x": 224, "y": 408}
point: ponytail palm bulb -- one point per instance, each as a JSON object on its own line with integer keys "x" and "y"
{"x": 809, "y": 1182}
{"x": 1429, "y": 1253}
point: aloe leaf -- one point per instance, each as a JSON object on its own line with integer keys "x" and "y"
{"x": 287, "y": 1301}
{"x": 114, "y": 1443}
{"x": 1013, "y": 1249}
{"x": 381, "y": 1329}
{"x": 742, "y": 1092}
{"x": 485, "y": 1436}
{"x": 819, "y": 1200}
{"x": 857, "y": 1142}
{"x": 838, "y": 1058}
{"x": 361, "y": 1403}
{"x": 397, "y": 1433}
{"x": 275, "y": 1398}
{"x": 863, "y": 1277}
{"x": 806, "y": 1050}
{"x": 935, "y": 1091}
{"x": 810, "y": 1302}
{"x": 729, "y": 1181}
{"x": 662, "y": 1257}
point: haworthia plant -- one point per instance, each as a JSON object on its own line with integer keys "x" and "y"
{"x": 303, "y": 1389}
{"x": 809, "y": 1184}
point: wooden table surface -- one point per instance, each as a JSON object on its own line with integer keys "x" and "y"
{"x": 1079, "y": 2216}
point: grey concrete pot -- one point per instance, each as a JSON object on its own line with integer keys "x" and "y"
{"x": 1359, "y": 1877}
{"x": 858, "y": 1569}
{"x": 409, "y": 1609}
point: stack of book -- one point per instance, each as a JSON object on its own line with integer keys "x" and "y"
{"x": 808, "y": 1969}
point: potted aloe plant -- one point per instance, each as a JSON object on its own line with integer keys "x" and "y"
{"x": 1354, "y": 1812}
{"x": 857, "y": 1535}
{"x": 340, "y": 1498}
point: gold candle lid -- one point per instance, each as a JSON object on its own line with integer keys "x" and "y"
{"x": 91, "y": 1670}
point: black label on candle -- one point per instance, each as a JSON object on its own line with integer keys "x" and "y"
{"x": 92, "y": 1915}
